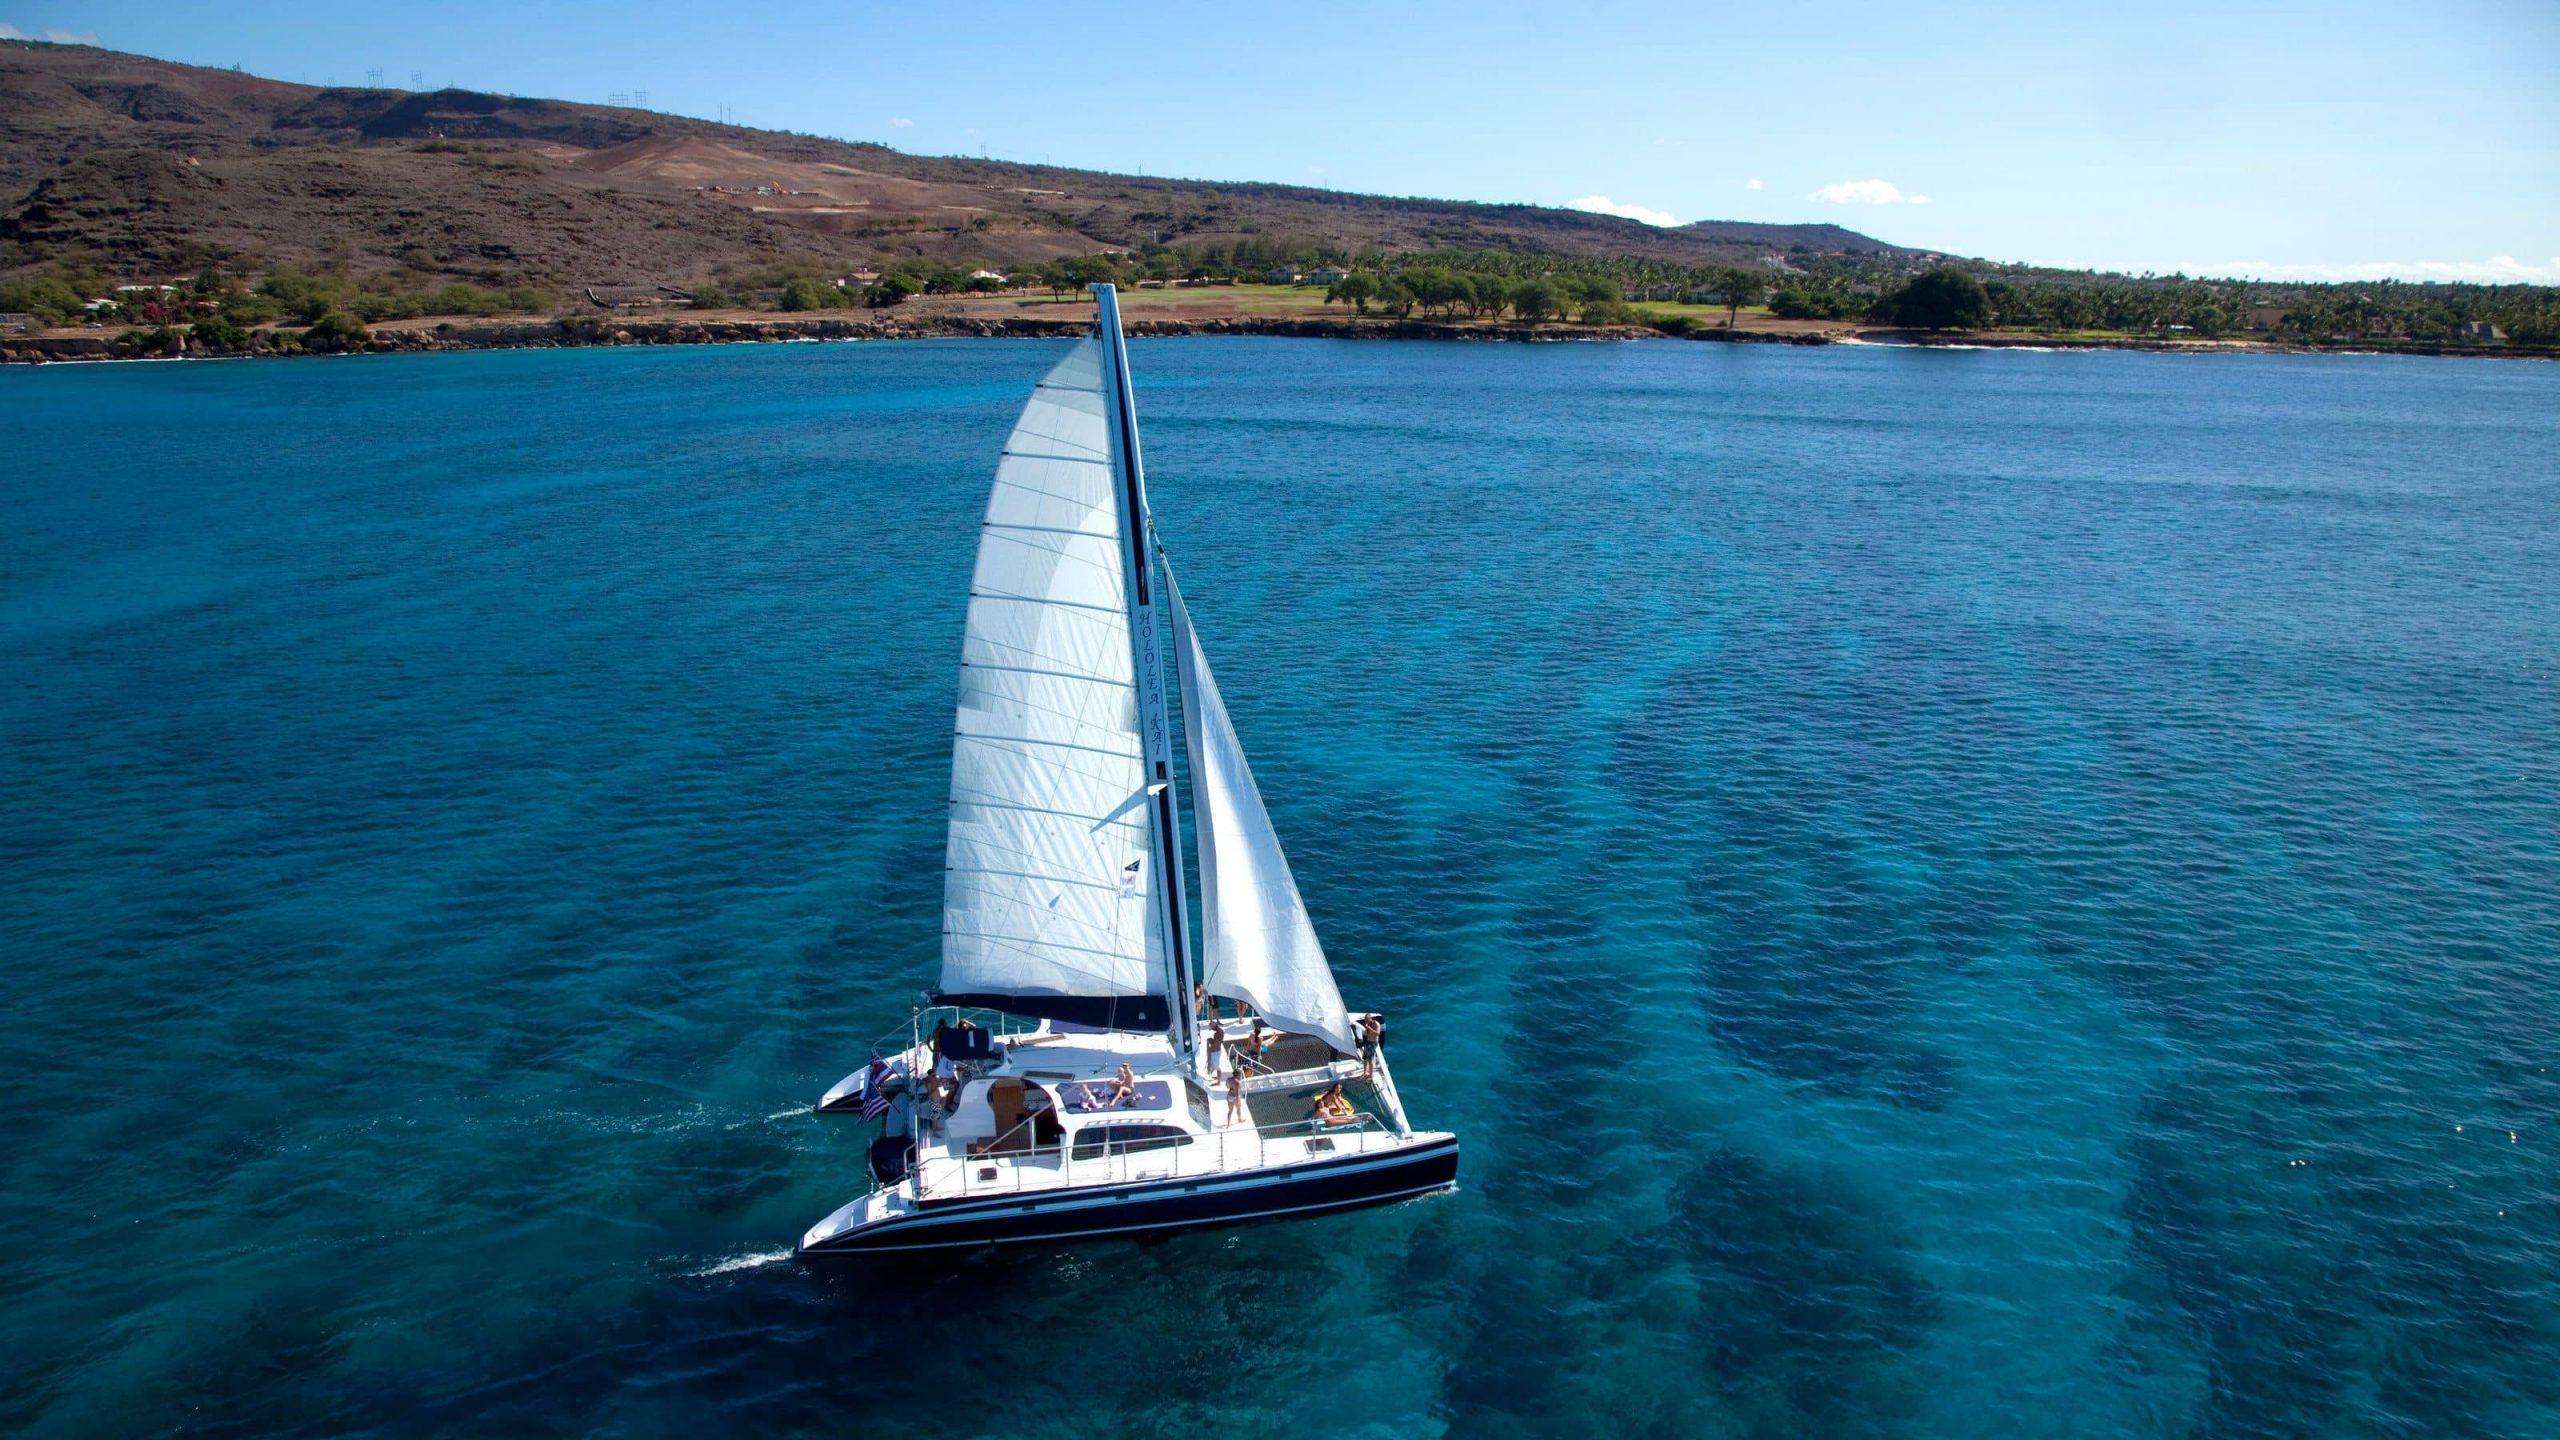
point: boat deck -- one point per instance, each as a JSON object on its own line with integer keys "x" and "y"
{"x": 1278, "y": 1128}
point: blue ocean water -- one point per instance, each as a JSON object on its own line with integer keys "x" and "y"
{"x": 1948, "y": 893}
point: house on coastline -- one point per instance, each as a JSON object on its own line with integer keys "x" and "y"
{"x": 2478, "y": 330}
{"x": 1328, "y": 276}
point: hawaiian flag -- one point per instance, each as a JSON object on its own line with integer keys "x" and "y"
{"x": 874, "y": 1102}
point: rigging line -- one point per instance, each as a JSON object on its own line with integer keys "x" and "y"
{"x": 1095, "y": 821}
{"x": 1026, "y": 944}
{"x": 1056, "y": 661}
{"x": 1052, "y": 674}
{"x": 1031, "y": 875}
{"x": 1048, "y": 530}
{"x": 1092, "y": 458}
{"x": 1052, "y": 744}
{"x": 991, "y": 695}
{"x": 1077, "y": 718}
{"x": 1042, "y": 482}
{"x": 1045, "y": 600}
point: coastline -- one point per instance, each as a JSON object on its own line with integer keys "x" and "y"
{"x": 687, "y": 329}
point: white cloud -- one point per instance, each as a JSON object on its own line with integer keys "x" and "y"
{"x": 58, "y": 37}
{"x": 2496, "y": 270}
{"x": 1603, "y": 205}
{"x": 902, "y": 123}
{"x": 1866, "y": 192}
{"x": 1751, "y": 184}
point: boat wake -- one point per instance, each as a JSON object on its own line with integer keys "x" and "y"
{"x": 756, "y": 1261}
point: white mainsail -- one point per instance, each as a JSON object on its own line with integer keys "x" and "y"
{"x": 1051, "y": 881}
{"x": 1257, "y": 944}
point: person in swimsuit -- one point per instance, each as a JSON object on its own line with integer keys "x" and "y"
{"x": 1235, "y": 1096}
{"x": 1332, "y": 1108}
{"x": 1124, "y": 1089}
{"x": 1373, "y": 1033}
{"x": 1217, "y": 1048}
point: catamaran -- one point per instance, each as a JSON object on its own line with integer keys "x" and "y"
{"x": 1082, "y": 1077}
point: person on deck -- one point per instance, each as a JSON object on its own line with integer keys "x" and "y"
{"x": 1373, "y": 1033}
{"x": 1333, "y": 1108}
{"x": 1124, "y": 1088}
{"x": 1217, "y": 1048}
{"x": 1261, "y": 1044}
{"x": 946, "y": 1075}
{"x": 1235, "y": 1096}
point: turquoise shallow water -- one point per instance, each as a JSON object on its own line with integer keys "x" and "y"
{"x": 1948, "y": 893}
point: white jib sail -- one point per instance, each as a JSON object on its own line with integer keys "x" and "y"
{"x": 1049, "y": 877}
{"x": 1257, "y": 944}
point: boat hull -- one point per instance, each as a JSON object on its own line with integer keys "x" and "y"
{"x": 1155, "y": 1207}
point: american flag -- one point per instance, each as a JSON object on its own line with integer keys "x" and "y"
{"x": 874, "y": 1103}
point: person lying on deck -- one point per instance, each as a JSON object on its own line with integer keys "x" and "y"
{"x": 1333, "y": 1108}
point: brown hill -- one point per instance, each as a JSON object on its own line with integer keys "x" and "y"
{"x": 154, "y": 169}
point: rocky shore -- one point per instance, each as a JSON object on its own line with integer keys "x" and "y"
{"x": 679, "y": 329}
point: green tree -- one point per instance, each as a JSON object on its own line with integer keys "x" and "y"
{"x": 215, "y": 333}
{"x": 890, "y": 290}
{"x": 1438, "y": 289}
{"x": 1600, "y": 299}
{"x": 1091, "y": 270}
{"x": 1492, "y": 295}
{"x": 801, "y": 292}
{"x": 335, "y": 330}
{"x": 1359, "y": 288}
{"x": 1741, "y": 287}
{"x": 1396, "y": 297}
{"x": 1945, "y": 298}
{"x": 1536, "y": 300}
{"x": 50, "y": 299}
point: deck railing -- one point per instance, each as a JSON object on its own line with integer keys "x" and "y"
{"x": 1014, "y": 1170}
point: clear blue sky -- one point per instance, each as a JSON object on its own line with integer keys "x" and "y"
{"x": 2323, "y": 140}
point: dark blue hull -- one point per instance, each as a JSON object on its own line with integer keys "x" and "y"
{"x": 1157, "y": 1207}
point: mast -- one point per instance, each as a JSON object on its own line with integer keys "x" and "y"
{"x": 1155, "y": 725}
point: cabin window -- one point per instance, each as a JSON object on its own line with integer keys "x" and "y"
{"x": 1095, "y": 1141}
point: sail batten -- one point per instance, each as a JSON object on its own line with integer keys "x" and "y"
{"x": 1048, "y": 890}
{"x": 1257, "y": 943}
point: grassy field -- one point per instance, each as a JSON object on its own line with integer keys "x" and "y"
{"x": 1226, "y": 299}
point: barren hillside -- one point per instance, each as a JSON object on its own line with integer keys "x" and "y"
{"x": 153, "y": 168}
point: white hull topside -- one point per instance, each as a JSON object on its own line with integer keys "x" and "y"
{"x": 1061, "y": 1169}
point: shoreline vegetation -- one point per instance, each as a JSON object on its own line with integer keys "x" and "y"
{"x": 289, "y": 313}
{"x": 464, "y": 333}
